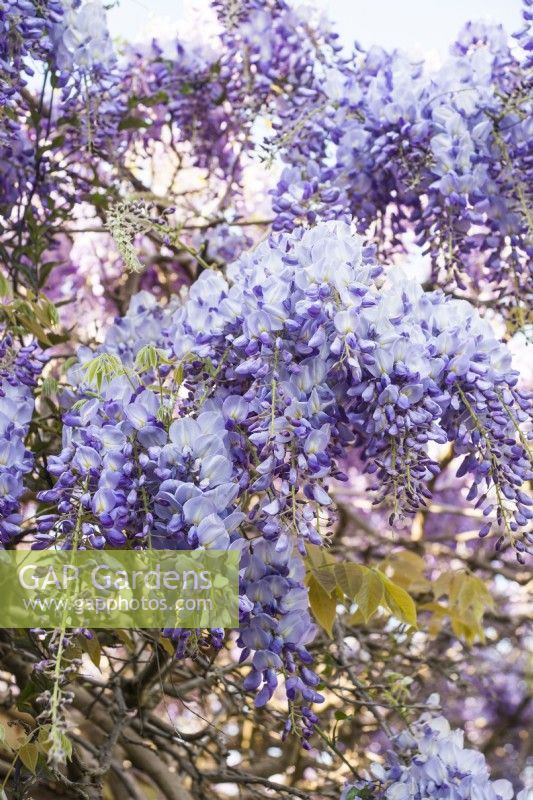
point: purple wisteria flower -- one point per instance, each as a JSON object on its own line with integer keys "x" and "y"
{"x": 226, "y": 429}
{"x": 20, "y": 365}
{"x": 441, "y": 156}
{"x": 431, "y": 761}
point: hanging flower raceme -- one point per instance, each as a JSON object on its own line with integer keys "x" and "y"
{"x": 81, "y": 39}
{"x": 25, "y": 28}
{"x": 323, "y": 354}
{"x": 271, "y": 54}
{"x": 431, "y": 761}
{"x": 20, "y": 365}
{"x": 442, "y": 155}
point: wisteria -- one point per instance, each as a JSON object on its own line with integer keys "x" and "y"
{"x": 437, "y": 159}
{"x": 301, "y": 353}
{"x": 25, "y": 37}
{"x": 20, "y": 366}
{"x": 81, "y": 39}
{"x": 432, "y": 761}
{"x": 267, "y": 291}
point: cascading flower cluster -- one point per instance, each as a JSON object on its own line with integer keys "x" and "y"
{"x": 20, "y": 366}
{"x": 443, "y": 155}
{"x": 82, "y": 39}
{"x": 332, "y": 357}
{"x": 440, "y": 156}
{"x": 65, "y": 49}
{"x": 431, "y": 761}
{"x": 222, "y": 422}
{"x": 270, "y": 55}
{"x": 226, "y": 417}
{"x": 25, "y": 36}
{"x": 102, "y": 436}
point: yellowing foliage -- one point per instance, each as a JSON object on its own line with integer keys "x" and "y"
{"x": 468, "y": 599}
{"x": 391, "y": 587}
{"x": 331, "y": 583}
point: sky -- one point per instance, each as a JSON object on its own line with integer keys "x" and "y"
{"x": 419, "y": 26}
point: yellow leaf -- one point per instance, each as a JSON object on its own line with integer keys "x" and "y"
{"x": 406, "y": 569}
{"x": 43, "y": 740}
{"x": 401, "y": 603}
{"x": 4, "y": 286}
{"x": 349, "y": 578}
{"x": 167, "y": 646}
{"x": 125, "y": 638}
{"x": 14, "y": 734}
{"x": 370, "y": 595}
{"x": 438, "y": 615}
{"x": 468, "y": 599}
{"x": 442, "y": 584}
{"x": 464, "y": 631}
{"x": 323, "y": 606}
{"x": 322, "y": 565}
{"x": 108, "y": 793}
{"x": 355, "y": 619}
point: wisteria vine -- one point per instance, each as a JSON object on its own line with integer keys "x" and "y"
{"x": 241, "y": 217}
{"x": 254, "y": 389}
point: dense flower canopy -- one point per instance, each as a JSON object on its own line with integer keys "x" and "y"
{"x": 214, "y": 337}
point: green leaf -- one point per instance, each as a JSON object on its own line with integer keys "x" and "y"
{"x": 58, "y": 338}
{"x": 127, "y": 123}
{"x": 105, "y": 366}
{"x": 49, "y": 387}
{"x": 323, "y": 605}
{"x": 45, "y": 270}
{"x": 400, "y": 603}
{"x": 148, "y": 100}
{"x": 99, "y": 199}
{"x": 32, "y": 689}
{"x": 69, "y": 362}
{"x": 67, "y": 745}
{"x": 57, "y": 141}
{"x": 149, "y": 357}
{"x": 92, "y": 648}
{"x": 30, "y": 325}
{"x": 43, "y": 738}
{"x": 28, "y": 754}
{"x": 340, "y": 715}
{"x": 178, "y": 374}
{"x": 4, "y": 286}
